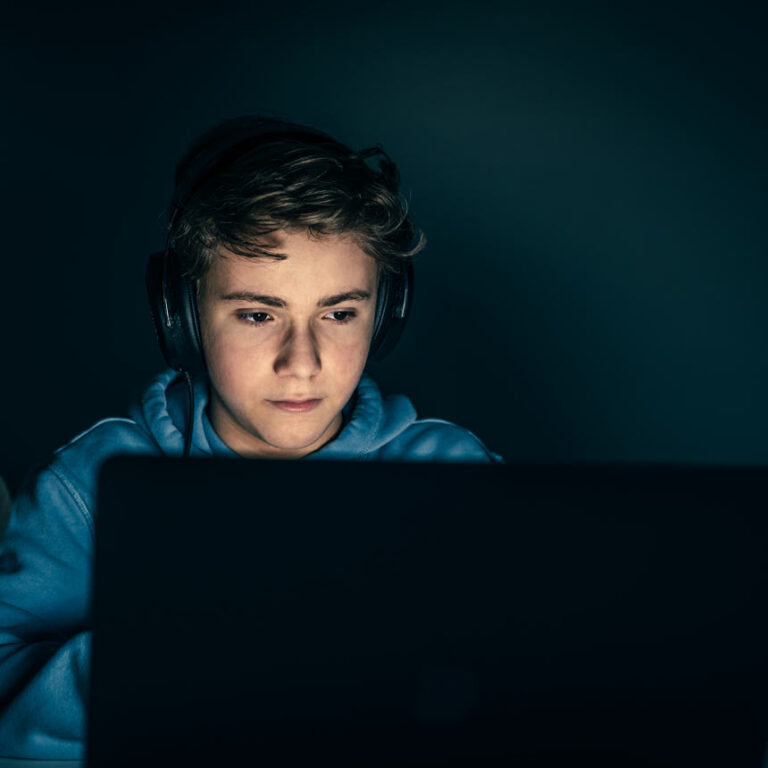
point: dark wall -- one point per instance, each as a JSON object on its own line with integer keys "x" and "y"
{"x": 592, "y": 180}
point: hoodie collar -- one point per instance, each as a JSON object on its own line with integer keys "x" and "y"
{"x": 369, "y": 420}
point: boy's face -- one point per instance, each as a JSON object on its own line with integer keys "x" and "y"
{"x": 278, "y": 332}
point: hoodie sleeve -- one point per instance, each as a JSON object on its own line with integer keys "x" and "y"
{"x": 45, "y": 566}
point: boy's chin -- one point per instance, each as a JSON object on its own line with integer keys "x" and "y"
{"x": 297, "y": 441}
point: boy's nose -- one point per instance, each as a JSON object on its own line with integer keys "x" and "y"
{"x": 299, "y": 355}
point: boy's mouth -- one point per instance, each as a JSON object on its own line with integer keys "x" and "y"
{"x": 295, "y": 406}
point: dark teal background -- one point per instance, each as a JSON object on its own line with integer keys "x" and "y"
{"x": 592, "y": 180}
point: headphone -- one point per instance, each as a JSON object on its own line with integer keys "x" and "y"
{"x": 172, "y": 295}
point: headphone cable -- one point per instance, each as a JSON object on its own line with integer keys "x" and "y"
{"x": 190, "y": 414}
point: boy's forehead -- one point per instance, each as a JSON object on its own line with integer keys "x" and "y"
{"x": 300, "y": 263}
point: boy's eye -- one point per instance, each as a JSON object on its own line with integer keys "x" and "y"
{"x": 254, "y": 318}
{"x": 343, "y": 315}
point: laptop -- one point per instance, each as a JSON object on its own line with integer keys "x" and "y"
{"x": 314, "y": 613}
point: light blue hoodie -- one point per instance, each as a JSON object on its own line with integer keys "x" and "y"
{"x": 47, "y": 551}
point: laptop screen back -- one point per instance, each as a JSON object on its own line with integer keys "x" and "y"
{"x": 420, "y": 614}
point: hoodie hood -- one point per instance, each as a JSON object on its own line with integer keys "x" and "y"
{"x": 369, "y": 420}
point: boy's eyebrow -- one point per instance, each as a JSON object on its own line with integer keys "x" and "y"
{"x": 274, "y": 301}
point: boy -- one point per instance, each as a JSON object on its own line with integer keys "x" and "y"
{"x": 287, "y": 266}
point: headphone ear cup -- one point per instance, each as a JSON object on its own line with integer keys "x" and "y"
{"x": 173, "y": 305}
{"x": 393, "y": 304}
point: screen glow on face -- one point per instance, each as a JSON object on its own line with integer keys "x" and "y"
{"x": 279, "y": 333}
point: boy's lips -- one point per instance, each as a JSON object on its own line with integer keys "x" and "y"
{"x": 296, "y": 406}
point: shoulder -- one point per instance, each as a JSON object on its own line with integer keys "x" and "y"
{"x": 438, "y": 440}
{"x": 54, "y": 509}
{"x": 107, "y": 436}
{"x": 76, "y": 465}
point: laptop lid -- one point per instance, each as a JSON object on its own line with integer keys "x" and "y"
{"x": 428, "y": 614}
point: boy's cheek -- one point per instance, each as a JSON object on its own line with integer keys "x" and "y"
{"x": 229, "y": 360}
